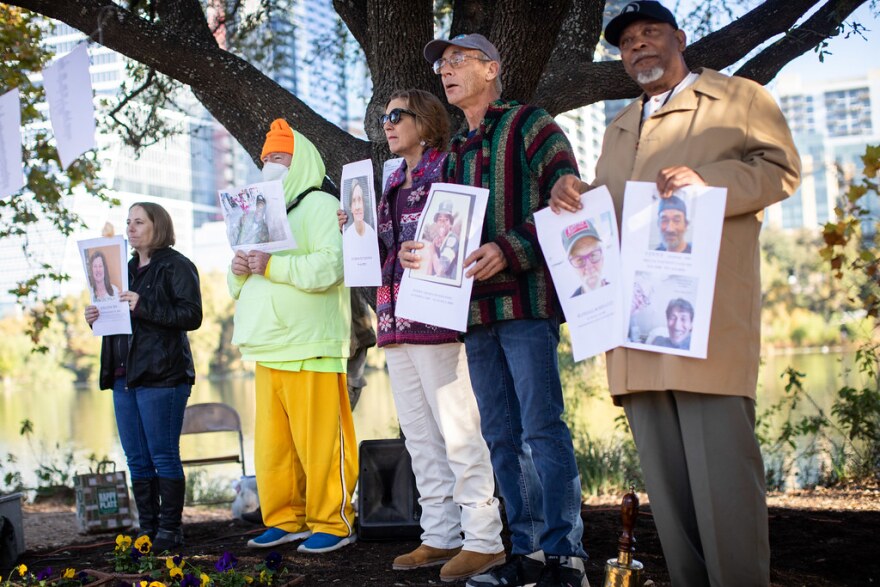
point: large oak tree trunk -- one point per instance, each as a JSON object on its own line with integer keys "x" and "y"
{"x": 547, "y": 49}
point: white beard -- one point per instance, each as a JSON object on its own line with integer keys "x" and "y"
{"x": 650, "y": 76}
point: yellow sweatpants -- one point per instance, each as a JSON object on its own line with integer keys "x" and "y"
{"x": 305, "y": 451}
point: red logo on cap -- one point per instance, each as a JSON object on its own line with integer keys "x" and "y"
{"x": 577, "y": 227}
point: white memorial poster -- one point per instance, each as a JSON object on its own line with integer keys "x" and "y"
{"x": 256, "y": 217}
{"x": 105, "y": 261}
{"x": 669, "y": 259}
{"x": 388, "y": 168}
{"x": 360, "y": 243}
{"x": 583, "y": 253}
{"x": 69, "y": 93}
{"x": 11, "y": 174}
{"x": 439, "y": 292}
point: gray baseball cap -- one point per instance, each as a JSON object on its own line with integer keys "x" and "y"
{"x": 434, "y": 50}
{"x": 572, "y": 234}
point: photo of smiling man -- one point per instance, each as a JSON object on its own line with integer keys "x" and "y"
{"x": 672, "y": 221}
{"x": 680, "y": 322}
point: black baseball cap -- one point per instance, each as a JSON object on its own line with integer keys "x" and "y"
{"x": 634, "y": 11}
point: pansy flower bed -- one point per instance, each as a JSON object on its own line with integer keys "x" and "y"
{"x": 134, "y": 564}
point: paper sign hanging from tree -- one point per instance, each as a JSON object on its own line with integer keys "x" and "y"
{"x": 69, "y": 92}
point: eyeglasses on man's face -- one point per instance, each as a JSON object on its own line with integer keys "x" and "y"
{"x": 580, "y": 261}
{"x": 394, "y": 116}
{"x": 454, "y": 61}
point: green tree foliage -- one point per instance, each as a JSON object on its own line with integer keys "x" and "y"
{"x": 803, "y": 304}
{"x": 44, "y": 201}
{"x": 844, "y": 439}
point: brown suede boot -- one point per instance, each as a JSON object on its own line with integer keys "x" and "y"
{"x": 468, "y": 563}
{"x": 424, "y": 556}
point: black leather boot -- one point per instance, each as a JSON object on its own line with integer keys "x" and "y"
{"x": 146, "y": 497}
{"x": 172, "y": 493}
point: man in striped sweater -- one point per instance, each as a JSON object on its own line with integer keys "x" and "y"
{"x": 517, "y": 152}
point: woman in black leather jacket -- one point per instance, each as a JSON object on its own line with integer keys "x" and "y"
{"x": 151, "y": 372}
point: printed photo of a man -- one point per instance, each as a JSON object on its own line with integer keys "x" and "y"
{"x": 584, "y": 248}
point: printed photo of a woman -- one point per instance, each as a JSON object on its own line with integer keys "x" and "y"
{"x": 99, "y": 278}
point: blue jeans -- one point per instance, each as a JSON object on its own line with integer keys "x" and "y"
{"x": 149, "y": 420}
{"x": 515, "y": 376}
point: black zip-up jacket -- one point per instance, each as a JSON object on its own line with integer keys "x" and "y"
{"x": 169, "y": 305}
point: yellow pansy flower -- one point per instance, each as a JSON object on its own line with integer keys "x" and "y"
{"x": 22, "y": 569}
{"x": 68, "y": 573}
{"x": 143, "y": 544}
{"x": 205, "y": 579}
{"x": 157, "y": 584}
{"x": 248, "y": 579}
{"x": 143, "y": 584}
{"x": 175, "y": 573}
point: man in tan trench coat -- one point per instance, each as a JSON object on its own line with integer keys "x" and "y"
{"x": 693, "y": 420}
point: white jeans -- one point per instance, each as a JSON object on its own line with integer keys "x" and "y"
{"x": 438, "y": 414}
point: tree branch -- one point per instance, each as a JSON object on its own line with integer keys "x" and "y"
{"x": 210, "y": 72}
{"x": 185, "y": 16}
{"x": 354, "y": 14}
{"x": 731, "y": 43}
{"x": 396, "y": 60}
{"x": 524, "y": 62}
{"x": 824, "y": 24}
{"x": 579, "y": 82}
{"x": 472, "y": 16}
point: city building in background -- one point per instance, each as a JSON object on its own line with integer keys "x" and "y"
{"x": 313, "y": 55}
{"x": 585, "y": 128}
{"x": 832, "y": 122}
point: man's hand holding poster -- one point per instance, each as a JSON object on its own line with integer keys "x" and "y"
{"x": 583, "y": 254}
{"x": 669, "y": 261}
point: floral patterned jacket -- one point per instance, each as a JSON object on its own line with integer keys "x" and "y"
{"x": 394, "y": 330}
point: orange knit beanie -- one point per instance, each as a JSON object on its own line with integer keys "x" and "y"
{"x": 279, "y": 139}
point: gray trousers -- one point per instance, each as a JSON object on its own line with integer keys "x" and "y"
{"x": 705, "y": 481}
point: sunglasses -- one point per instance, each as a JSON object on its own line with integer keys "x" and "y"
{"x": 394, "y": 116}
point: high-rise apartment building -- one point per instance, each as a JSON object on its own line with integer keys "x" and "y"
{"x": 178, "y": 172}
{"x": 831, "y": 122}
{"x": 585, "y": 128}
{"x": 309, "y": 56}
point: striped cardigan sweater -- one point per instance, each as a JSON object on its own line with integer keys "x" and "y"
{"x": 518, "y": 153}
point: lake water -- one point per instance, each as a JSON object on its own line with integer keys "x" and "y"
{"x": 82, "y": 420}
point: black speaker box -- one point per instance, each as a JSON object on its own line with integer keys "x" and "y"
{"x": 388, "y": 506}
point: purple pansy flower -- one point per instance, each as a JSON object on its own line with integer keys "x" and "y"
{"x": 227, "y": 562}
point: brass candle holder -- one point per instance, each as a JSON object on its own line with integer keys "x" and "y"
{"x": 624, "y": 571}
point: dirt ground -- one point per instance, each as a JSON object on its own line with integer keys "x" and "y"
{"x": 818, "y": 538}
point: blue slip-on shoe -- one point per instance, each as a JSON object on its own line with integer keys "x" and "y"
{"x": 323, "y": 542}
{"x": 275, "y": 536}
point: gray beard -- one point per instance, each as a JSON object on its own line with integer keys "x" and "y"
{"x": 650, "y": 76}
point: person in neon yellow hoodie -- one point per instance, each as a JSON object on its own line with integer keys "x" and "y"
{"x": 293, "y": 317}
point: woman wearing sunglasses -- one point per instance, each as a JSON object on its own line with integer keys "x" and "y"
{"x": 427, "y": 366}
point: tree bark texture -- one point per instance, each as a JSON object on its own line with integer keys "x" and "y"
{"x": 547, "y": 50}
